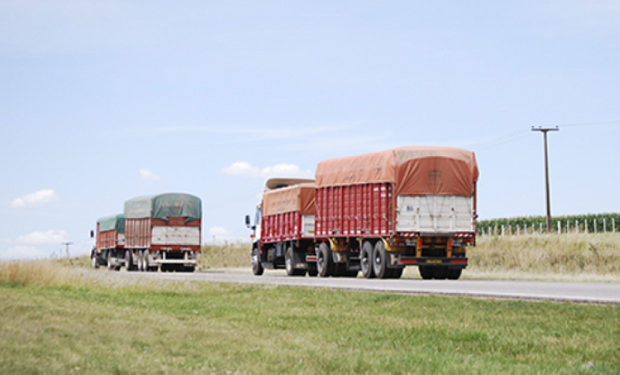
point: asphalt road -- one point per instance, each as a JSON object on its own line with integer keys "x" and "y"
{"x": 528, "y": 290}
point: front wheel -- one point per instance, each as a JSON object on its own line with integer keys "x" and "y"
{"x": 257, "y": 268}
{"x": 94, "y": 261}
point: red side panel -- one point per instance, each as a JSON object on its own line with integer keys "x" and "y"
{"x": 281, "y": 227}
{"x": 107, "y": 239}
{"x": 138, "y": 233}
{"x": 355, "y": 210}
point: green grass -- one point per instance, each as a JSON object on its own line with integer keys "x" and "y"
{"x": 91, "y": 326}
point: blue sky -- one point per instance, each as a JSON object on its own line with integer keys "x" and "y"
{"x": 103, "y": 101}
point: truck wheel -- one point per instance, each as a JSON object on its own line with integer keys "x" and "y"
{"x": 128, "y": 261}
{"x": 324, "y": 261}
{"x": 257, "y": 268}
{"x": 366, "y": 260}
{"x": 396, "y": 273}
{"x": 379, "y": 261}
{"x": 109, "y": 260}
{"x": 440, "y": 273}
{"x": 454, "y": 273}
{"x": 93, "y": 260}
{"x": 426, "y": 272}
{"x": 289, "y": 264}
{"x": 140, "y": 261}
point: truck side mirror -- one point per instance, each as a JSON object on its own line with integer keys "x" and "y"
{"x": 92, "y": 234}
{"x": 247, "y": 220}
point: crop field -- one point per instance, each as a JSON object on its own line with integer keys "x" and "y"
{"x": 66, "y": 321}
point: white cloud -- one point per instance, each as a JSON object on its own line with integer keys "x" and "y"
{"x": 245, "y": 169}
{"x": 47, "y": 237}
{"x": 36, "y": 199}
{"x": 22, "y": 252}
{"x": 148, "y": 175}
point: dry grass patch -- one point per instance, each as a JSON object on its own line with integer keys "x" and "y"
{"x": 595, "y": 256}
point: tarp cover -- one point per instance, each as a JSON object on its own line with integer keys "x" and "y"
{"x": 163, "y": 206}
{"x": 413, "y": 170}
{"x": 289, "y": 199}
{"x": 112, "y": 222}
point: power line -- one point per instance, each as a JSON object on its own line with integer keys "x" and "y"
{"x": 598, "y": 123}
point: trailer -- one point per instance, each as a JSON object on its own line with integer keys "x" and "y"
{"x": 162, "y": 231}
{"x": 380, "y": 212}
{"x": 109, "y": 242}
{"x": 283, "y": 234}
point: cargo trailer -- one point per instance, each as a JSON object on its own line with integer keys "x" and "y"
{"x": 109, "y": 242}
{"x": 380, "y": 212}
{"x": 163, "y": 231}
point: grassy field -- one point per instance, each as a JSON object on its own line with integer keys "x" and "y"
{"x": 66, "y": 321}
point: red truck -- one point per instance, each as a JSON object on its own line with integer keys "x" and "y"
{"x": 163, "y": 231}
{"x": 284, "y": 231}
{"x": 156, "y": 231}
{"x": 110, "y": 241}
{"x": 380, "y": 212}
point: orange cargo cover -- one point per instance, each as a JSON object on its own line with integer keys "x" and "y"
{"x": 292, "y": 198}
{"x": 413, "y": 170}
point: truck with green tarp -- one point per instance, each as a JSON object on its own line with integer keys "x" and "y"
{"x": 110, "y": 241}
{"x": 162, "y": 231}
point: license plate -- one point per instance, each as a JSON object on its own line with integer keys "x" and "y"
{"x": 433, "y": 261}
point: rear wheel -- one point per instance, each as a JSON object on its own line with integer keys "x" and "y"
{"x": 454, "y": 273}
{"x": 379, "y": 261}
{"x": 110, "y": 261}
{"x": 257, "y": 268}
{"x": 324, "y": 262}
{"x": 128, "y": 261}
{"x": 440, "y": 273}
{"x": 396, "y": 273}
{"x": 289, "y": 264}
{"x": 426, "y": 272}
{"x": 366, "y": 260}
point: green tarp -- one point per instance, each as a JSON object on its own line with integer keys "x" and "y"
{"x": 163, "y": 206}
{"x": 112, "y": 222}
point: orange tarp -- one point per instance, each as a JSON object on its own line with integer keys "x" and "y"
{"x": 413, "y": 170}
{"x": 292, "y": 198}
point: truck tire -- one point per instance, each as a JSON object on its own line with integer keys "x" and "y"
{"x": 93, "y": 259}
{"x": 379, "y": 261}
{"x": 426, "y": 272}
{"x": 366, "y": 260}
{"x": 257, "y": 268}
{"x": 324, "y": 261}
{"x": 141, "y": 261}
{"x": 128, "y": 261}
{"x": 289, "y": 264}
{"x": 109, "y": 260}
{"x": 440, "y": 273}
{"x": 395, "y": 273}
{"x": 454, "y": 273}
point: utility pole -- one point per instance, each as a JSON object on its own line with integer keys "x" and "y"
{"x": 67, "y": 245}
{"x": 544, "y": 131}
